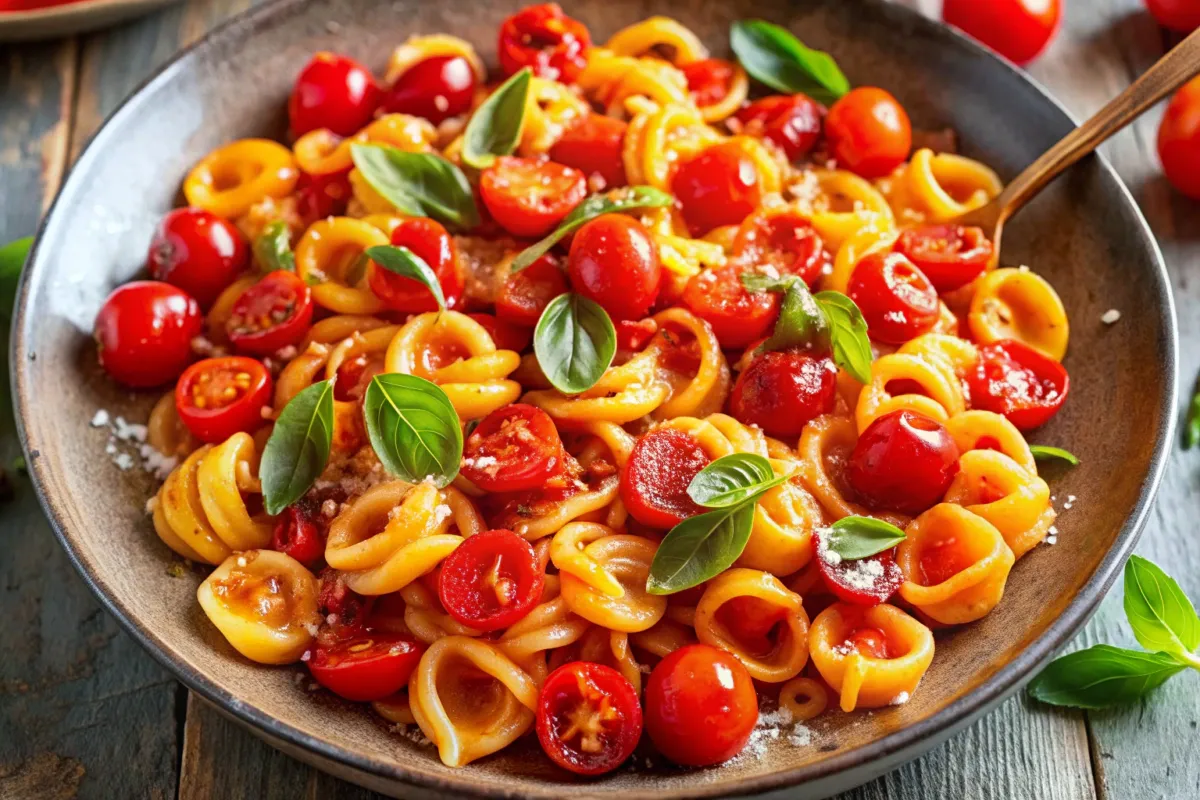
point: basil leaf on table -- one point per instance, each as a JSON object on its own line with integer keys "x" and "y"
{"x": 273, "y": 248}
{"x": 1161, "y": 615}
{"x": 853, "y": 538}
{"x": 700, "y": 548}
{"x": 1102, "y": 676}
{"x": 626, "y": 199}
{"x": 406, "y": 263}
{"x": 12, "y": 261}
{"x": 732, "y": 479}
{"x": 418, "y": 184}
{"x": 298, "y": 449}
{"x": 1043, "y": 452}
{"x": 777, "y": 58}
{"x": 496, "y": 126}
{"x": 801, "y": 321}
{"x": 413, "y": 428}
{"x": 1191, "y": 430}
{"x": 575, "y": 342}
{"x": 848, "y": 334}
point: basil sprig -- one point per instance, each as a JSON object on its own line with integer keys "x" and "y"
{"x": 495, "y": 127}
{"x": 626, "y": 199}
{"x": 777, "y": 58}
{"x": 1042, "y": 452}
{"x": 418, "y": 184}
{"x": 413, "y": 428}
{"x": 574, "y": 342}
{"x": 406, "y": 263}
{"x": 12, "y": 261}
{"x": 732, "y": 479}
{"x": 1161, "y": 615}
{"x": 853, "y": 538}
{"x": 298, "y": 449}
{"x": 273, "y": 248}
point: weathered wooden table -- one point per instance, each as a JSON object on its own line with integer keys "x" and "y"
{"x": 84, "y": 712}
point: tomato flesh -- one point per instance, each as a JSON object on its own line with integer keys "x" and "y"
{"x": 903, "y": 462}
{"x": 369, "y": 667}
{"x": 1179, "y": 139}
{"x": 589, "y": 719}
{"x": 432, "y": 243}
{"x": 1017, "y": 29}
{"x": 614, "y": 261}
{"x": 782, "y": 390}
{"x": 718, "y": 186}
{"x": 950, "y": 256}
{"x": 870, "y": 642}
{"x": 783, "y": 240}
{"x": 321, "y": 196}
{"x": 491, "y": 580}
{"x": 737, "y": 315}
{"x": 708, "y": 80}
{"x": 218, "y": 397}
{"x": 335, "y": 92}
{"x": 437, "y": 88}
{"x": 791, "y": 122}
{"x": 348, "y": 608}
{"x": 525, "y": 295}
{"x": 861, "y": 582}
{"x": 144, "y": 333}
{"x": 753, "y": 621}
{"x": 299, "y": 537}
{"x": 1018, "y": 382}
{"x": 528, "y": 197}
{"x": 942, "y": 560}
{"x": 896, "y": 299}
{"x": 655, "y": 480}
{"x": 869, "y": 132}
{"x": 197, "y": 251}
{"x": 514, "y": 448}
{"x": 505, "y": 335}
{"x": 272, "y": 314}
{"x": 546, "y": 40}
{"x": 594, "y": 146}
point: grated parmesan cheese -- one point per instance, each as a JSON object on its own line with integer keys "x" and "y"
{"x": 1110, "y": 317}
{"x": 100, "y": 419}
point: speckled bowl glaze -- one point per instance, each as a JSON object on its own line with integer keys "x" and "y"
{"x": 1085, "y": 234}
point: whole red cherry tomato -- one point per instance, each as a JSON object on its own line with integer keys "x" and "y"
{"x": 718, "y": 186}
{"x": 432, "y": 243}
{"x": 792, "y": 122}
{"x": 272, "y": 314}
{"x": 708, "y": 80}
{"x": 951, "y": 256}
{"x": 594, "y": 145}
{"x": 197, "y": 251}
{"x": 589, "y": 719}
{"x": 1017, "y": 29}
{"x": 437, "y": 88}
{"x": 218, "y": 397}
{"x": 514, "y": 448}
{"x": 368, "y": 667}
{"x": 614, "y": 261}
{"x": 782, "y": 390}
{"x": 869, "y": 132}
{"x": 529, "y": 197}
{"x": 1017, "y": 381}
{"x": 895, "y": 298}
{"x": 861, "y": 582}
{"x": 737, "y": 315}
{"x": 525, "y": 295}
{"x": 505, "y": 335}
{"x": 655, "y": 479}
{"x": 1178, "y": 15}
{"x": 1179, "y": 139}
{"x": 546, "y": 40}
{"x": 144, "y": 333}
{"x": 491, "y": 580}
{"x": 902, "y": 462}
{"x": 335, "y": 92}
{"x": 700, "y": 706}
{"x": 297, "y": 535}
{"x": 785, "y": 240}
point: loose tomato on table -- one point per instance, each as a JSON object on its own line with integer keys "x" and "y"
{"x": 218, "y": 397}
{"x": 492, "y": 580}
{"x": 1017, "y": 29}
{"x": 869, "y": 132}
{"x": 525, "y": 295}
{"x": 950, "y": 256}
{"x": 1178, "y": 15}
{"x": 614, "y": 261}
{"x": 902, "y": 462}
{"x": 335, "y": 92}
{"x": 368, "y": 667}
{"x": 437, "y": 88}
{"x": 546, "y": 40}
{"x": 709, "y": 80}
{"x": 432, "y": 243}
{"x": 144, "y": 333}
{"x": 896, "y": 299}
{"x": 272, "y": 314}
{"x": 737, "y": 315}
{"x": 861, "y": 582}
{"x": 782, "y": 390}
{"x": 589, "y": 718}
{"x": 512, "y": 449}
{"x": 1179, "y": 139}
{"x": 299, "y": 537}
{"x": 594, "y": 145}
{"x": 655, "y": 479}
{"x": 197, "y": 251}
{"x": 505, "y": 335}
{"x": 793, "y": 122}
{"x": 528, "y": 197}
{"x": 785, "y": 240}
{"x": 717, "y": 186}
{"x": 1018, "y": 382}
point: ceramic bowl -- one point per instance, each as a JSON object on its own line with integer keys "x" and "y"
{"x": 72, "y": 18}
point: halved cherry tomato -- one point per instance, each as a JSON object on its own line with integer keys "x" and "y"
{"x": 354, "y": 375}
{"x": 718, "y": 186}
{"x": 737, "y": 315}
{"x": 144, "y": 333}
{"x": 1178, "y": 15}
{"x": 903, "y": 462}
{"x": 1017, "y": 381}
{"x": 432, "y": 243}
{"x": 951, "y": 256}
{"x": 656, "y": 477}
{"x": 633, "y": 334}
{"x": 589, "y": 719}
{"x": 437, "y": 88}
{"x": 871, "y": 642}
{"x": 333, "y": 91}
{"x": 862, "y": 582}
{"x": 369, "y": 667}
{"x": 1017, "y": 29}
{"x": 514, "y": 448}
{"x": 545, "y": 39}
{"x": 197, "y": 251}
{"x": 895, "y": 298}
{"x": 869, "y": 132}
{"x": 218, "y": 397}
{"x": 525, "y": 295}
{"x": 594, "y": 145}
{"x": 614, "y": 261}
{"x": 272, "y": 314}
{"x": 792, "y": 122}
{"x": 505, "y": 335}
{"x": 785, "y": 240}
{"x": 491, "y": 580}
{"x": 321, "y": 196}
{"x": 782, "y": 390}
{"x": 753, "y": 621}
{"x": 298, "y": 536}
{"x": 708, "y": 80}
{"x": 1179, "y": 139}
{"x": 528, "y": 197}
{"x": 700, "y": 706}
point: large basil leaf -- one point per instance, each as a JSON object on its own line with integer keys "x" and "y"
{"x": 700, "y": 548}
{"x": 408, "y": 264}
{"x": 733, "y": 479}
{"x": 413, "y": 428}
{"x": 1102, "y": 676}
{"x": 495, "y": 127}
{"x": 847, "y": 334}
{"x": 1161, "y": 615}
{"x": 298, "y": 448}
{"x": 575, "y": 342}
{"x": 418, "y": 184}
{"x": 777, "y": 58}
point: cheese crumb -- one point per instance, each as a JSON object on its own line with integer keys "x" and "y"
{"x": 1111, "y": 316}
{"x": 100, "y": 419}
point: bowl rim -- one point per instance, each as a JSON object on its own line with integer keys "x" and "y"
{"x": 888, "y": 751}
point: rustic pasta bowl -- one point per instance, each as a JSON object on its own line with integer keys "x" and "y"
{"x": 1084, "y": 234}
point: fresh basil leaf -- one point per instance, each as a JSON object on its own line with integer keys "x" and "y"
{"x": 298, "y": 449}
{"x": 801, "y": 321}
{"x": 1042, "y": 452}
{"x": 733, "y": 479}
{"x": 1191, "y": 431}
{"x": 12, "y": 261}
{"x": 495, "y": 127}
{"x": 700, "y": 548}
{"x": 413, "y": 428}
{"x": 1101, "y": 676}
{"x": 848, "y": 334}
{"x": 273, "y": 248}
{"x": 597, "y": 205}
{"x": 861, "y": 537}
{"x": 777, "y": 58}
{"x": 758, "y": 282}
{"x": 405, "y": 262}
{"x": 1161, "y": 615}
{"x": 574, "y": 341}
{"x": 418, "y": 184}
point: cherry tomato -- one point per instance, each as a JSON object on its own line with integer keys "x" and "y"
{"x": 717, "y": 186}
{"x": 737, "y": 316}
{"x": 655, "y": 479}
{"x": 1178, "y": 15}
{"x": 505, "y": 335}
{"x": 792, "y": 122}
{"x": 528, "y": 197}
{"x": 1017, "y": 381}
{"x": 525, "y": 295}
{"x": 708, "y": 80}
{"x": 869, "y": 132}
{"x": 369, "y": 667}
{"x": 941, "y": 561}
{"x": 197, "y": 251}
{"x": 512, "y": 449}
{"x": 321, "y": 196}
{"x": 298, "y": 536}
{"x": 903, "y": 462}
{"x": 782, "y": 390}
{"x": 753, "y": 621}
{"x": 871, "y": 642}
{"x": 546, "y": 40}
{"x": 950, "y": 256}
{"x": 432, "y": 243}
{"x": 633, "y": 334}
{"x": 272, "y": 314}
{"x": 700, "y": 706}
{"x": 218, "y": 397}
{"x": 1179, "y": 139}
{"x": 491, "y": 580}
{"x": 785, "y": 240}
{"x": 862, "y": 582}
{"x": 589, "y": 718}
{"x": 144, "y": 333}
{"x": 1017, "y": 29}
{"x": 437, "y": 88}
{"x": 594, "y": 145}
{"x": 895, "y": 298}
{"x": 335, "y": 92}
{"x": 614, "y": 261}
